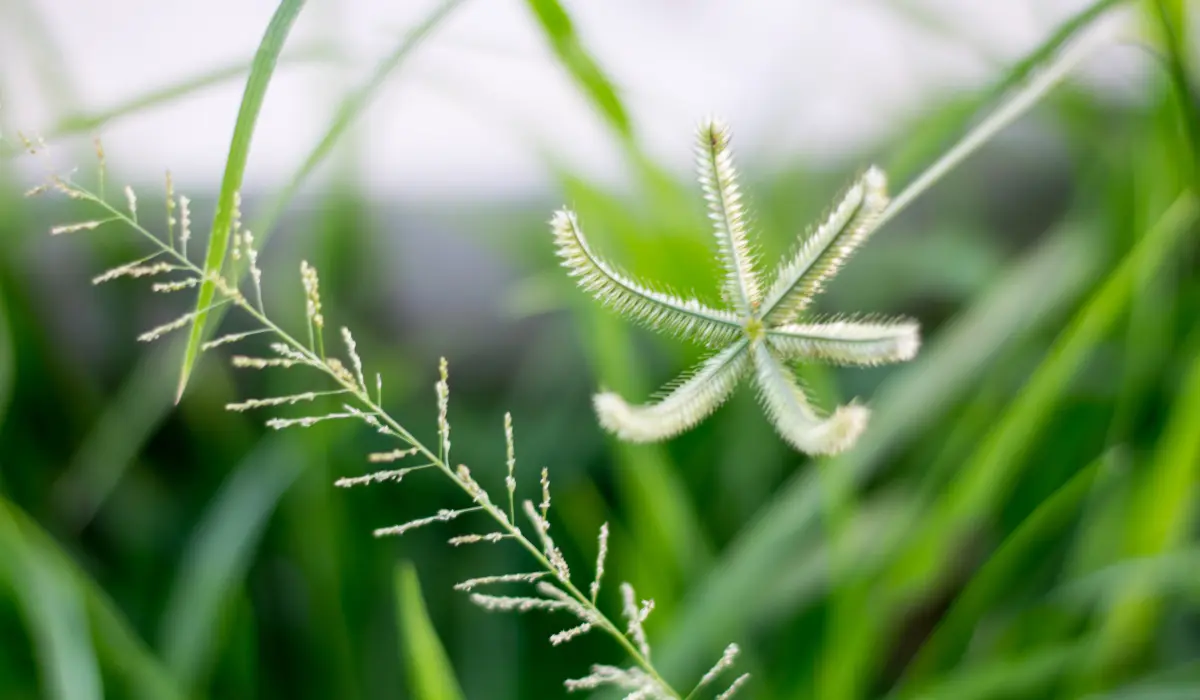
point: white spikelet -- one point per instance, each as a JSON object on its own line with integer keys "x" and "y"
{"x": 601, "y": 554}
{"x": 693, "y": 398}
{"x": 473, "y": 583}
{"x": 847, "y": 341}
{"x": 355, "y": 360}
{"x": 795, "y": 420}
{"x": 635, "y": 616}
{"x": 685, "y": 318}
{"x": 442, "y": 516}
{"x": 824, "y": 252}
{"x": 723, "y": 664}
{"x": 718, "y": 179}
{"x": 734, "y": 687}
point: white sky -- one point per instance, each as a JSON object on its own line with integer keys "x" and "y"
{"x": 470, "y": 113}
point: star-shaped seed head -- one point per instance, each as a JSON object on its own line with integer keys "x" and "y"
{"x": 762, "y": 331}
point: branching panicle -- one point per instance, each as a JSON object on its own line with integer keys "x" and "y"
{"x": 349, "y": 383}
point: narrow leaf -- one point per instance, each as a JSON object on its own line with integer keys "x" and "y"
{"x": 218, "y": 555}
{"x": 430, "y": 675}
{"x": 261, "y": 72}
{"x": 560, "y": 32}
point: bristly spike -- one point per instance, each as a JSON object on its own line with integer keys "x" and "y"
{"x": 692, "y": 400}
{"x": 601, "y": 555}
{"x": 443, "y": 401}
{"x": 684, "y": 318}
{"x": 847, "y": 341}
{"x": 795, "y": 420}
{"x": 718, "y": 179}
{"x": 824, "y": 251}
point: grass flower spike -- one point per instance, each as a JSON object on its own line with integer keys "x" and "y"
{"x": 762, "y": 332}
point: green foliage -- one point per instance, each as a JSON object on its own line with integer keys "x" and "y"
{"x": 1018, "y": 520}
{"x": 430, "y": 675}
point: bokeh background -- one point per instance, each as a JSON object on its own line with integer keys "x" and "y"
{"x": 1017, "y": 523}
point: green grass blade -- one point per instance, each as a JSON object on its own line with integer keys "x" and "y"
{"x": 185, "y": 87}
{"x": 564, "y": 41}
{"x": 994, "y": 466}
{"x": 1172, "y": 23}
{"x": 352, "y": 105}
{"x": 219, "y": 554}
{"x": 1160, "y": 518}
{"x": 235, "y": 169}
{"x": 920, "y": 147}
{"x": 430, "y": 676}
{"x": 114, "y": 443}
{"x": 7, "y": 361}
{"x": 1002, "y": 569}
{"x": 947, "y": 366}
{"x": 120, "y": 648}
{"x": 54, "y": 611}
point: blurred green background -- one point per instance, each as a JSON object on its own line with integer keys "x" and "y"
{"x": 1017, "y": 522}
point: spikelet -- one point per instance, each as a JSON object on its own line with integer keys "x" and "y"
{"x": 442, "y": 516}
{"x": 795, "y": 420}
{"x": 232, "y": 338}
{"x": 170, "y": 202}
{"x": 693, "y": 399}
{"x": 718, "y": 179}
{"x": 723, "y": 664}
{"x": 131, "y": 202}
{"x": 75, "y": 228}
{"x": 542, "y": 527}
{"x": 355, "y": 360}
{"x": 510, "y": 481}
{"x": 393, "y": 475}
{"x": 601, "y": 554}
{"x": 443, "y": 402}
{"x": 471, "y": 584}
{"x": 491, "y": 537}
{"x": 847, "y": 341}
{"x": 824, "y": 252}
{"x": 734, "y": 687}
{"x": 185, "y": 224}
{"x": 635, "y": 616}
{"x": 668, "y": 312}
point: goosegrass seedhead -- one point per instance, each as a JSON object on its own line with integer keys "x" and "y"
{"x": 763, "y": 330}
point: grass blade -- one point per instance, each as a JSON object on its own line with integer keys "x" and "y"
{"x": 1159, "y": 520}
{"x": 185, "y": 87}
{"x": 218, "y": 555}
{"x": 352, "y": 105}
{"x": 7, "y": 361}
{"x": 564, "y": 41}
{"x": 430, "y": 676}
{"x": 54, "y": 611}
{"x": 235, "y": 169}
{"x": 119, "y": 647}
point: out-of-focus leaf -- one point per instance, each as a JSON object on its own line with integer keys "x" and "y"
{"x": 560, "y": 32}
{"x": 118, "y": 646}
{"x": 55, "y": 613}
{"x": 218, "y": 555}
{"x": 1161, "y": 513}
{"x": 184, "y": 87}
{"x": 261, "y": 71}
{"x": 7, "y": 361}
{"x": 1002, "y": 569}
{"x": 430, "y": 676}
{"x": 1004, "y": 678}
{"x": 913, "y": 398}
{"x": 119, "y": 436}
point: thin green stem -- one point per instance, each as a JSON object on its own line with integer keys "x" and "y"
{"x": 1036, "y": 88}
